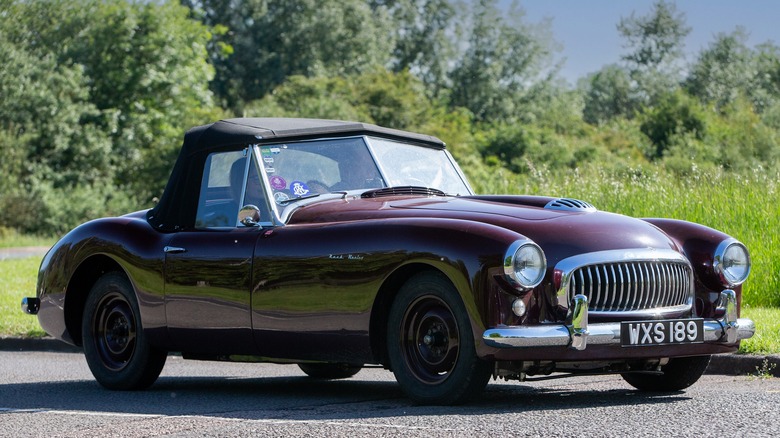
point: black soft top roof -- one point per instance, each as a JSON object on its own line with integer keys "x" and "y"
{"x": 269, "y": 130}
{"x": 177, "y": 205}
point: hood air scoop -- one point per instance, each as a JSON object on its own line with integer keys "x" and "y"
{"x": 568, "y": 204}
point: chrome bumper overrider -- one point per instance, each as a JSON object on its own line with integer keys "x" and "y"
{"x": 576, "y": 333}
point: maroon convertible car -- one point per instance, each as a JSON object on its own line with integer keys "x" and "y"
{"x": 334, "y": 245}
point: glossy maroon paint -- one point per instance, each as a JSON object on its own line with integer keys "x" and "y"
{"x": 318, "y": 287}
{"x": 249, "y": 291}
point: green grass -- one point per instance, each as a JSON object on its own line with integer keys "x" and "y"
{"x": 17, "y": 280}
{"x": 767, "y": 337}
{"x": 12, "y": 239}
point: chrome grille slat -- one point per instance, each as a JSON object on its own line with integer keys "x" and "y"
{"x": 597, "y": 299}
{"x": 627, "y": 286}
{"x": 622, "y": 289}
{"x": 668, "y": 289}
{"x": 614, "y": 287}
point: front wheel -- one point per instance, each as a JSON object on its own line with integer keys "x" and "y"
{"x": 430, "y": 343}
{"x": 115, "y": 345}
{"x": 678, "y": 374}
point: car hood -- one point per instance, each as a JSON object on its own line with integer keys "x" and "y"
{"x": 563, "y": 232}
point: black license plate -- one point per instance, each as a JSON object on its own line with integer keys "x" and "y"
{"x": 667, "y": 332}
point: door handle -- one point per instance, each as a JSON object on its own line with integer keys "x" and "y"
{"x": 174, "y": 250}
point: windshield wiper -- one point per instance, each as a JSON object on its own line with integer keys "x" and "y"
{"x": 291, "y": 200}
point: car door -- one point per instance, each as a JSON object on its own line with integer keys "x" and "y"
{"x": 208, "y": 269}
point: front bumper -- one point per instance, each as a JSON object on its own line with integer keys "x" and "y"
{"x": 577, "y": 333}
{"x": 31, "y": 305}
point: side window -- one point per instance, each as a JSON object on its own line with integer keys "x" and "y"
{"x": 221, "y": 190}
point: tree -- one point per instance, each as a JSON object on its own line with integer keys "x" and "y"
{"x": 723, "y": 71}
{"x": 271, "y": 40}
{"x": 608, "y": 94}
{"x": 655, "y": 43}
{"x": 148, "y": 70}
{"x": 766, "y": 91}
{"x": 395, "y": 100}
{"x": 423, "y": 32}
{"x": 96, "y": 95}
{"x": 675, "y": 114}
{"x": 504, "y": 64}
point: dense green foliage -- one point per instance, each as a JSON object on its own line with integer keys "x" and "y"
{"x": 95, "y": 96}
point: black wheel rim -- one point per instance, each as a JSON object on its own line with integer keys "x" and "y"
{"x": 114, "y": 331}
{"x": 430, "y": 340}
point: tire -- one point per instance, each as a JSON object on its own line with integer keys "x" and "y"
{"x": 115, "y": 346}
{"x": 329, "y": 371}
{"x": 678, "y": 374}
{"x": 430, "y": 343}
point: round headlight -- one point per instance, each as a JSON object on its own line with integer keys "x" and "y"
{"x": 732, "y": 262}
{"x": 525, "y": 265}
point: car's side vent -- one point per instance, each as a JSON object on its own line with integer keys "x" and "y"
{"x": 402, "y": 190}
{"x": 568, "y": 204}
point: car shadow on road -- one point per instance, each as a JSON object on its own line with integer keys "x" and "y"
{"x": 302, "y": 398}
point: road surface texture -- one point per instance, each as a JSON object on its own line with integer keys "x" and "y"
{"x": 54, "y": 395}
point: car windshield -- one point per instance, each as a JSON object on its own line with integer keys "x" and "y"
{"x": 409, "y": 165}
{"x": 302, "y": 170}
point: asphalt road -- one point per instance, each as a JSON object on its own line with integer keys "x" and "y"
{"x": 53, "y": 394}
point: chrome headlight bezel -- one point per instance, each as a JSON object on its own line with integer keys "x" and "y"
{"x": 522, "y": 258}
{"x": 731, "y": 262}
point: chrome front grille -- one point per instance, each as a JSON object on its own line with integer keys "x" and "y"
{"x": 628, "y": 281}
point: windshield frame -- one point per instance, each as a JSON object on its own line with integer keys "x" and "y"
{"x": 281, "y": 212}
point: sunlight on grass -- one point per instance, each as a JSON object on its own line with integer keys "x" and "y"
{"x": 767, "y": 337}
{"x": 17, "y": 280}
{"x": 12, "y": 239}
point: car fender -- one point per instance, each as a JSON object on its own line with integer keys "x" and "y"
{"x": 75, "y": 262}
{"x": 468, "y": 253}
{"x": 699, "y": 243}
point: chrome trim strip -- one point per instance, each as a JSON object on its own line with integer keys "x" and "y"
{"x": 174, "y": 250}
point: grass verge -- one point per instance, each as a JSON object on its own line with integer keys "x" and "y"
{"x": 17, "y": 280}
{"x": 12, "y": 239}
{"x": 767, "y": 337}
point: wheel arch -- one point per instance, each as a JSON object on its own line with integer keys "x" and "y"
{"x": 387, "y": 294}
{"x": 79, "y": 286}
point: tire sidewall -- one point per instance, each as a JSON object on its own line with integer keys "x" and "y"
{"x": 469, "y": 374}
{"x": 144, "y": 364}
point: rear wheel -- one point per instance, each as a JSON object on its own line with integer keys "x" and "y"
{"x": 329, "y": 370}
{"x": 115, "y": 346}
{"x": 678, "y": 374}
{"x": 430, "y": 343}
